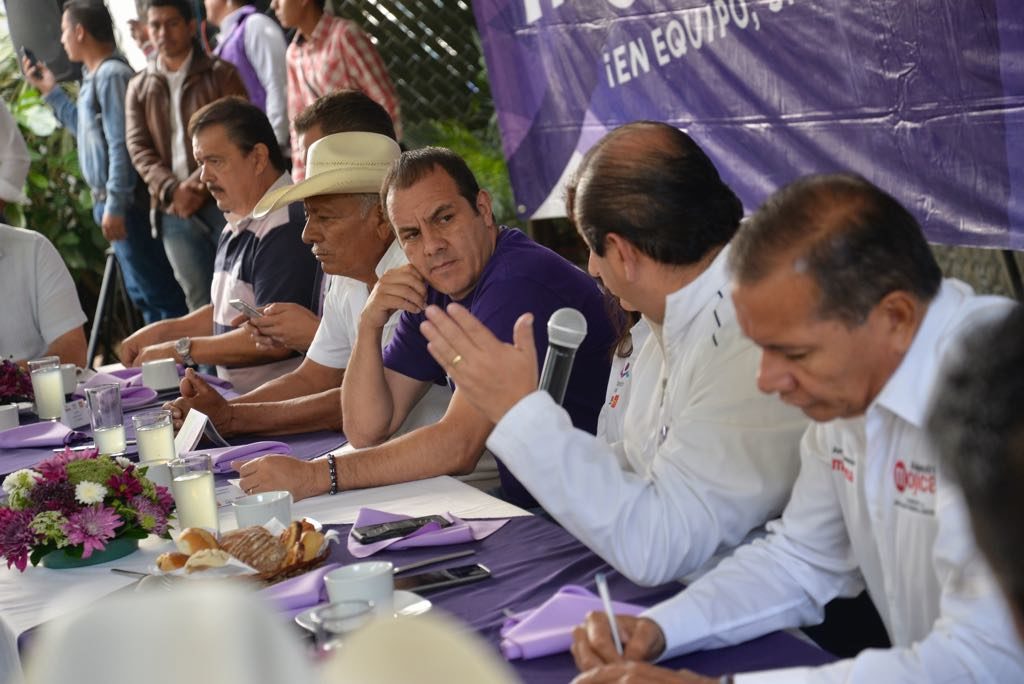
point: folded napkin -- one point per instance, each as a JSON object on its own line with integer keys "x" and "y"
{"x": 299, "y": 593}
{"x": 223, "y": 456}
{"x": 132, "y": 396}
{"x": 432, "y": 534}
{"x": 133, "y": 377}
{"x": 547, "y": 629}
{"x": 43, "y": 434}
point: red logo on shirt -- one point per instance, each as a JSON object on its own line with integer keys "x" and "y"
{"x": 614, "y": 401}
{"x": 917, "y": 480}
{"x": 840, "y": 465}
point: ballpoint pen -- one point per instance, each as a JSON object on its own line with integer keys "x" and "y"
{"x": 606, "y": 599}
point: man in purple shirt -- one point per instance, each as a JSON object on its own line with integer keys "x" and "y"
{"x": 456, "y": 252}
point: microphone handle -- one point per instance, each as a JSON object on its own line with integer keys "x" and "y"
{"x": 554, "y": 377}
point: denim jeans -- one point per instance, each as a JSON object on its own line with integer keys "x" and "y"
{"x": 191, "y": 246}
{"x": 147, "y": 273}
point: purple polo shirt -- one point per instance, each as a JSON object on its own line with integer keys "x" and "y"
{"x": 521, "y": 277}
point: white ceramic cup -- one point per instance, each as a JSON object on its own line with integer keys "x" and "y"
{"x": 259, "y": 509}
{"x": 160, "y": 374}
{"x": 371, "y": 581}
{"x": 8, "y": 416}
{"x": 69, "y": 375}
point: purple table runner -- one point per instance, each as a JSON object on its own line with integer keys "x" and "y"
{"x": 530, "y": 558}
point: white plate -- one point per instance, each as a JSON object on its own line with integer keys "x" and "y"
{"x": 407, "y": 604}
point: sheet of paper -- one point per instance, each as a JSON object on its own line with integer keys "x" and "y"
{"x": 191, "y": 431}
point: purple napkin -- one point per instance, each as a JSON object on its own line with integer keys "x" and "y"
{"x": 44, "y": 434}
{"x": 432, "y": 534}
{"x": 547, "y": 629}
{"x": 133, "y": 377}
{"x": 294, "y": 595}
{"x": 223, "y": 456}
{"x": 132, "y": 396}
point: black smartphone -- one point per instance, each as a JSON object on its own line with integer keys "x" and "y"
{"x": 33, "y": 62}
{"x": 438, "y": 579}
{"x": 368, "y": 534}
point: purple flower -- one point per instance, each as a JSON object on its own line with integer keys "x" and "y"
{"x": 55, "y": 468}
{"x": 125, "y": 485}
{"x": 91, "y": 527}
{"x": 54, "y": 496}
{"x": 16, "y": 537}
{"x": 151, "y": 515}
{"x": 165, "y": 499}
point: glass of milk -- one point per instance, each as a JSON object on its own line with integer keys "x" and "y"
{"x": 194, "y": 494}
{"x": 48, "y": 387}
{"x": 107, "y": 418}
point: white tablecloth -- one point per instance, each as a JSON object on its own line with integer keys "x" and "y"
{"x": 39, "y": 594}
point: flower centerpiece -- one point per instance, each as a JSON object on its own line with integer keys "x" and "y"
{"x": 78, "y": 504}
{"x": 15, "y": 383}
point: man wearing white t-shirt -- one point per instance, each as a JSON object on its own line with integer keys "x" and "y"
{"x": 41, "y": 312}
{"x": 833, "y": 279}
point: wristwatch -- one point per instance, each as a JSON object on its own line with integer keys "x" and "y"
{"x": 183, "y": 347}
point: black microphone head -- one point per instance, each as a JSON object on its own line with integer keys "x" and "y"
{"x": 566, "y": 328}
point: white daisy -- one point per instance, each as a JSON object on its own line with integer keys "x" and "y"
{"x": 89, "y": 492}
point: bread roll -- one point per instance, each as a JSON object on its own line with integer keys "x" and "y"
{"x": 194, "y": 539}
{"x": 255, "y": 546}
{"x": 311, "y": 542}
{"x": 290, "y": 536}
{"x": 207, "y": 558}
{"x": 170, "y": 561}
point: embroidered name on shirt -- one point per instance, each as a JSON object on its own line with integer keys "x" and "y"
{"x": 915, "y": 487}
{"x": 843, "y": 464}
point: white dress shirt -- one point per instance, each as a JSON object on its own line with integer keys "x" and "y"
{"x": 870, "y": 507}
{"x": 706, "y": 458}
{"x": 620, "y": 385}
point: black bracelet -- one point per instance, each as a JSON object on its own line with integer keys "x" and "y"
{"x": 332, "y": 469}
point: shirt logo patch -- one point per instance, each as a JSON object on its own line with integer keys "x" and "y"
{"x": 624, "y": 373}
{"x": 915, "y": 486}
{"x": 614, "y": 401}
{"x": 843, "y": 464}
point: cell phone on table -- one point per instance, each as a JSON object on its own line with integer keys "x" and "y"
{"x": 439, "y": 579}
{"x": 246, "y": 308}
{"x": 368, "y": 534}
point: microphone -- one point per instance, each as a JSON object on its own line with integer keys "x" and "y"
{"x": 566, "y": 329}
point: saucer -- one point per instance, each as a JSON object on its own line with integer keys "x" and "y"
{"x": 407, "y": 604}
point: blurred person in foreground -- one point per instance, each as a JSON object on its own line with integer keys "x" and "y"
{"x": 977, "y": 425}
{"x": 705, "y": 459}
{"x": 834, "y": 280}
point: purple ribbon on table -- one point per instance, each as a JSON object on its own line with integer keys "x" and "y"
{"x": 295, "y": 595}
{"x": 223, "y": 456}
{"x": 547, "y": 629}
{"x": 459, "y": 532}
{"x": 43, "y": 434}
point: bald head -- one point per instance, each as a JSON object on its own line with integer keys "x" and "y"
{"x": 857, "y": 244}
{"x": 651, "y": 184}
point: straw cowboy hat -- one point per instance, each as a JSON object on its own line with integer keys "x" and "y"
{"x": 343, "y": 163}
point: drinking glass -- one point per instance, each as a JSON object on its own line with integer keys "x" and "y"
{"x": 335, "y": 621}
{"x": 107, "y": 418}
{"x": 154, "y": 433}
{"x": 48, "y": 387}
{"x": 193, "y": 491}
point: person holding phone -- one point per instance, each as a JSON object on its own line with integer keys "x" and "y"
{"x": 259, "y": 259}
{"x": 97, "y": 120}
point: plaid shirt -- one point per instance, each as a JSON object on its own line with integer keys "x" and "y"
{"x": 338, "y": 55}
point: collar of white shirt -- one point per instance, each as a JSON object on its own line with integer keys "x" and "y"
{"x": 683, "y": 305}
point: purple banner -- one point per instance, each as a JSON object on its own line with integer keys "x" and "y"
{"x": 923, "y": 97}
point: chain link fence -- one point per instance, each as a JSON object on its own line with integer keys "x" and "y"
{"x": 432, "y": 51}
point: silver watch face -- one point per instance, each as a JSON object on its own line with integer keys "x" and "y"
{"x": 183, "y": 345}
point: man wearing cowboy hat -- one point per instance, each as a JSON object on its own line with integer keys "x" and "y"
{"x": 354, "y": 244}
{"x": 260, "y": 259}
{"x": 457, "y": 252}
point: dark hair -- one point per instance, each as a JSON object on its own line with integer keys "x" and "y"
{"x": 94, "y": 17}
{"x": 183, "y": 6}
{"x": 345, "y": 111}
{"x": 977, "y": 426}
{"x": 414, "y": 165}
{"x": 245, "y": 124}
{"x": 856, "y": 242}
{"x": 650, "y": 183}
